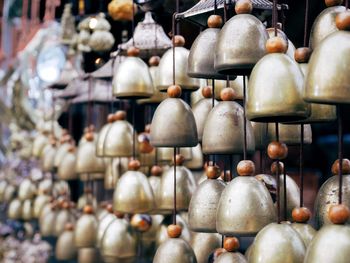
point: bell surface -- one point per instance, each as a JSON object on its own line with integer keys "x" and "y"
{"x": 114, "y": 169}
{"x": 177, "y": 116}
{"x": 133, "y": 194}
{"x": 289, "y": 133}
{"x": 306, "y": 232}
{"x": 47, "y": 223}
{"x": 331, "y": 244}
{"x": 38, "y": 145}
{"x": 62, "y": 150}
{"x": 49, "y": 158}
{"x": 293, "y": 195}
{"x": 224, "y": 130}
{"x": 63, "y": 217}
{"x": 200, "y": 112}
{"x": 327, "y": 196}
{"x": 240, "y": 45}
{"x": 328, "y": 80}
{"x": 15, "y": 209}
{"x": 132, "y": 79}
{"x": 26, "y": 190}
{"x": 66, "y": 169}
{"x": 102, "y": 226}
{"x": 87, "y": 161}
{"x": 266, "y": 100}
{"x": 277, "y": 243}
{"x": 65, "y": 247}
{"x": 229, "y": 257}
{"x": 85, "y": 231}
{"x": 244, "y": 208}
{"x": 175, "y": 250}
{"x": 196, "y": 161}
{"x": 27, "y": 211}
{"x": 100, "y": 142}
{"x": 203, "y": 206}
{"x": 203, "y": 244}
{"x": 39, "y": 203}
{"x": 87, "y": 199}
{"x": 88, "y": 255}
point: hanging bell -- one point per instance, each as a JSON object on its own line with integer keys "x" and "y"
{"x": 224, "y": 128}
{"x": 63, "y": 217}
{"x": 87, "y": 199}
{"x": 196, "y": 163}
{"x": 39, "y": 203}
{"x": 100, "y": 142}
{"x": 245, "y": 205}
{"x": 47, "y": 221}
{"x": 3, "y": 185}
{"x": 48, "y": 156}
{"x": 306, "y": 232}
{"x": 241, "y": 42}
{"x": 227, "y": 257}
{"x": 85, "y": 229}
{"x": 26, "y": 190}
{"x": 65, "y": 247}
{"x": 203, "y": 244}
{"x": 15, "y": 209}
{"x": 27, "y": 211}
{"x": 103, "y": 224}
{"x": 165, "y": 71}
{"x": 277, "y": 243}
{"x": 177, "y": 116}
{"x": 66, "y": 169}
{"x": 289, "y": 133}
{"x": 88, "y": 255}
{"x": 155, "y": 182}
{"x": 204, "y": 202}
{"x": 132, "y": 79}
{"x": 133, "y": 193}
{"x": 115, "y": 167}
{"x": 9, "y": 193}
{"x": 38, "y": 144}
{"x": 61, "y": 151}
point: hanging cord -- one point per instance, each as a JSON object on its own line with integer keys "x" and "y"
{"x": 340, "y": 151}
{"x": 275, "y": 16}
{"x": 215, "y": 6}
{"x": 346, "y": 4}
{"x": 174, "y": 210}
{"x": 285, "y": 193}
{"x": 244, "y": 121}
{"x": 133, "y": 22}
{"x": 174, "y": 34}
{"x": 134, "y": 130}
{"x": 278, "y": 180}
{"x": 306, "y": 23}
{"x": 89, "y": 111}
{"x": 301, "y": 165}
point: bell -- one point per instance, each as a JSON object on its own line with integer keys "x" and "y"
{"x": 65, "y": 247}
{"x": 48, "y": 158}
{"x": 177, "y": 116}
{"x": 3, "y": 185}
{"x": 87, "y": 199}
{"x": 38, "y": 145}
{"x": 266, "y": 101}
{"x": 204, "y": 244}
{"x": 333, "y": 87}
{"x": 203, "y": 206}
{"x": 289, "y": 133}
{"x": 167, "y": 154}
{"x": 291, "y": 48}
{"x": 66, "y": 169}
{"x": 324, "y": 25}
{"x": 103, "y": 224}
{"x": 240, "y": 44}
{"x": 132, "y": 79}
{"x": 63, "y": 217}
{"x": 165, "y": 71}
{"x": 88, "y": 255}
{"x": 277, "y": 243}
{"x": 9, "y": 193}
{"x": 61, "y": 151}
{"x": 306, "y": 232}
{"x": 59, "y": 188}
{"x": 245, "y": 205}
{"x": 39, "y": 203}
{"x": 330, "y": 244}
{"x": 114, "y": 169}
{"x": 133, "y": 193}
{"x": 175, "y": 250}
{"x": 47, "y": 222}
{"x": 196, "y": 162}
{"x": 118, "y": 242}
{"x": 45, "y": 186}
{"x": 327, "y": 196}
{"x": 26, "y": 190}
{"x": 15, "y": 209}
{"x": 228, "y": 257}
{"x": 100, "y": 142}
{"x": 260, "y": 135}
{"x": 228, "y": 139}
{"x": 27, "y": 211}
{"x": 85, "y": 229}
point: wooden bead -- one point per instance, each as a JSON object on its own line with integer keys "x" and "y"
{"x": 88, "y": 191}
{"x": 120, "y": 115}
{"x": 179, "y": 159}
{"x": 174, "y": 91}
{"x": 156, "y": 170}
{"x": 89, "y": 136}
{"x": 213, "y": 172}
{"x": 214, "y": 21}
{"x": 277, "y": 150}
{"x": 207, "y": 92}
{"x": 88, "y": 209}
{"x": 133, "y": 52}
{"x": 246, "y": 168}
{"x": 179, "y": 41}
{"x": 301, "y": 214}
{"x": 144, "y": 143}
{"x": 71, "y": 149}
{"x": 338, "y": 214}
{"x": 274, "y": 168}
{"x": 154, "y": 61}
{"x": 243, "y": 7}
{"x": 231, "y": 244}
{"x": 119, "y": 214}
{"x": 345, "y": 167}
{"x": 342, "y": 21}
{"x": 134, "y": 165}
{"x": 141, "y": 223}
{"x": 109, "y": 208}
{"x": 174, "y": 231}
{"x": 302, "y": 54}
{"x": 110, "y": 118}
{"x": 69, "y": 227}
{"x": 276, "y": 45}
{"x": 227, "y": 94}
{"x": 330, "y": 3}
{"x": 65, "y": 205}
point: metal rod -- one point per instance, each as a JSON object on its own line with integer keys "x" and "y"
{"x": 340, "y": 152}
{"x": 174, "y": 211}
{"x": 244, "y": 122}
{"x": 301, "y": 165}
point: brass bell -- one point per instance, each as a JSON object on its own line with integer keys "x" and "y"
{"x": 324, "y": 25}
{"x": 333, "y": 87}
{"x": 65, "y": 247}
{"x": 61, "y": 151}
{"x": 204, "y": 244}
{"x": 133, "y": 193}
{"x": 38, "y": 144}
{"x": 228, "y": 257}
{"x": 88, "y": 255}
{"x": 59, "y": 188}
{"x": 240, "y": 45}
{"x": 175, "y": 250}
{"x": 291, "y": 48}
{"x": 266, "y": 101}
{"x": 39, "y": 203}
{"x": 103, "y": 224}
{"x": 15, "y": 209}
{"x": 132, "y": 79}
{"x": 196, "y": 161}
{"x": 167, "y": 154}
{"x": 118, "y": 242}
{"x": 277, "y": 243}
{"x": 85, "y": 229}
{"x": 115, "y": 167}
{"x": 306, "y": 232}
{"x": 63, "y": 217}
{"x": 27, "y": 211}
{"x": 47, "y": 222}
{"x": 26, "y": 190}
{"x": 100, "y": 142}
{"x": 289, "y": 133}
{"x": 228, "y": 139}
{"x": 330, "y": 244}
{"x": 66, "y": 169}
{"x": 177, "y": 116}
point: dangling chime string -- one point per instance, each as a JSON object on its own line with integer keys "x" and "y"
{"x": 340, "y": 151}
{"x": 278, "y": 180}
{"x": 285, "y": 193}
{"x": 301, "y": 165}
{"x": 174, "y": 33}
{"x": 89, "y": 117}
{"x": 244, "y": 121}
{"x": 133, "y": 130}
{"x": 133, "y": 22}
{"x": 174, "y": 211}
{"x": 215, "y": 6}
{"x": 275, "y": 16}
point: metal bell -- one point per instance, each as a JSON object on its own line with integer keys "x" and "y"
{"x": 26, "y": 190}
{"x": 133, "y": 194}
{"x": 100, "y": 142}
{"x": 9, "y": 193}
{"x": 175, "y": 250}
{"x": 65, "y": 247}
{"x": 85, "y": 231}
{"x": 185, "y": 187}
{"x": 196, "y": 161}
{"x": 200, "y": 112}
{"x": 333, "y": 86}
{"x": 327, "y": 196}
{"x": 61, "y": 151}
{"x": 177, "y": 116}
{"x": 324, "y": 25}
{"x": 203, "y": 206}
{"x": 39, "y": 203}
{"x": 48, "y": 158}
{"x": 204, "y": 244}
{"x": 162, "y": 234}
{"x": 266, "y": 101}
{"x": 88, "y": 255}
{"x": 244, "y": 208}
{"x": 277, "y": 243}
{"x": 87, "y": 199}
{"x": 103, "y": 224}
{"x": 66, "y": 169}
{"x": 87, "y": 161}
{"x": 306, "y": 232}
{"x": 47, "y": 222}
{"x": 118, "y": 242}
{"x": 27, "y": 211}
{"x": 289, "y": 133}
{"x": 63, "y": 217}
{"x": 167, "y": 154}
{"x": 223, "y": 130}
{"x": 3, "y": 185}
{"x": 330, "y": 244}
{"x": 240, "y": 45}
{"x": 115, "y": 167}
{"x": 228, "y": 257}
{"x": 38, "y": 144}
{"x": 291, "y": 48}
{"x": 15, "y": 209}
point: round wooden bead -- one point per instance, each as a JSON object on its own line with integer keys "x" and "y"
{"x": 71, "y": 149}
{"x": 342, "y": 20}
{"x": 144, "y": 143}
{"x": 276, "y": 45}
{"x": 120, "y": 115}
{"x": 345, "y": 167}
{"x": 277, "y": 150}
{"x": 89, "y": 136}
{"x": 207, "y": 92}
{"x": 338, "y": 214}
{"x": 88, "y": 209}
{"x": 110, "y": 118}
{"x": 280, "y": 167}
{"x": 156, "y": 170}
{"x": 154, "y": 61}
{"x": 330, "y": 3}
{"x": 134, "y": 165}
{"x": 174, "y": 231}
{"x": 227, "y": 94}
{"x": 302, "y": 54}
{"x": 69, "y": 227}
{"x": 246, "y": 168}
{"x": 243, "y": 7}
{"x": 213, "y": 172}
{"x": 119, "y": 214}
{"x": 301, "y": 214}
{"x": 214, "y": 21}
{"x": 133, "y": 52}
{"x": 231, "y": 244}
{"x": 174, "y": 91}
{"x": 179, "y": 41}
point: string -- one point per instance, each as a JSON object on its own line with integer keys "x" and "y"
{"x": 275, "y": 16}
{"x": 215, "y": 7}
{"x": 213, "y": 94}
{"x": 174, "y": 33}
{"x": 278, "y": 180}
{"x": 244, "y": 121}
{"x": 89, "y": 118}
{"x": 133, "y": 131}
{"x": 340, "y": 152}
{"x": 174, "y": 211}
{"x": 133, "y": 22}
{"x": 306, "y": 22}
{"x": 301, "y": 164}
{"x": 285, "y": 194}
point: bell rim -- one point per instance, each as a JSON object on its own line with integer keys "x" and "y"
{"x": 282, "y": 118}
{"x": 210, "y": 75}
{"x": 228, "y": 69}
{"x": 334, "y": 100}
{"x": 133, "y": 95}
